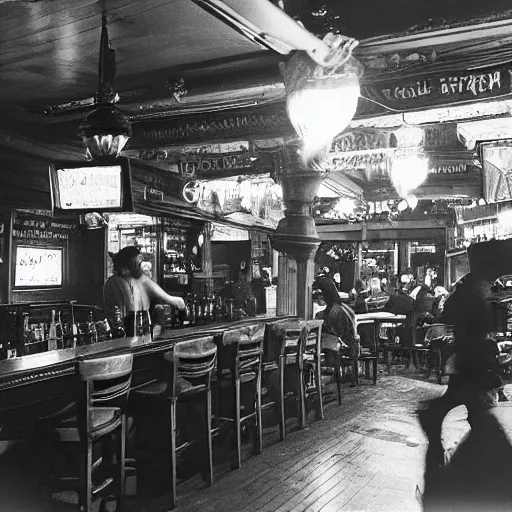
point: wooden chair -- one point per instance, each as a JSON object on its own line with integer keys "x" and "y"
{"x": 369, "y": 354}
{"x": 303, "y": 353}
{"x": 436, "y": 346}
{"x": 405, "y": 345}
{"x": 98, "y": 417}
{"x": 240, "y": 363}
{"x": 274, "y": 362}
{"x": 189, "y": 368}
{"x": 331, "y": 350}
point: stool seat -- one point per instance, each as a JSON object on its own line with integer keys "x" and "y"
{"x": 103, "y": 421}
{"x": 158, "y": 390}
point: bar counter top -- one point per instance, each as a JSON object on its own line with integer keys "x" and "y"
{"x": 21, "y": 370}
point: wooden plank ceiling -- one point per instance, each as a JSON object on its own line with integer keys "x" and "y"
{"x": 49, "y": 54}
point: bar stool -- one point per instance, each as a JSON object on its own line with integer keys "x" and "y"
{"x": 96, "y": 419}
{"x": 274, "y": 362}
{"x": 189, "y": 367}
{"x": 239, "y": 363}
{"x": 303, "y": 354}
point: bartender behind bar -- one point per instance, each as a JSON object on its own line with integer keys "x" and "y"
{"x": 132, "y": 291}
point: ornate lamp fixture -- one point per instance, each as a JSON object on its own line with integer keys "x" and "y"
{"x": 105, "y": 131}
{"x": 409, "y": 166}
{"x": 322, "y": 94}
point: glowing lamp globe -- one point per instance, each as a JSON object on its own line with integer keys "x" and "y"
{"x": 408, "y": 173}
{"x": 319, "y": 113}
{"x": 321, "y": 97}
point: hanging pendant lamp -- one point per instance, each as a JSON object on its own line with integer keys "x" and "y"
{"x": 106, "y": 130}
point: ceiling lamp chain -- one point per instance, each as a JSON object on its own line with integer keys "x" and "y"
{"x": 106, "y": 130}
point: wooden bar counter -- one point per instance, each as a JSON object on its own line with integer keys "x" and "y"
{"x": 39, "y": 384}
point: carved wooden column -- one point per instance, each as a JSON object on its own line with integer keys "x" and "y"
{"x": 404, "y": 255}
{"x": 296, "y": 234}
{"x": 287, "y": 286}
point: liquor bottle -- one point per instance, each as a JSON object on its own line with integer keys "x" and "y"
{"x": 118, "y": 330}
{"x": 93, "y": 333}
{"x": 139, "y": 323}
{"x": 74, "y": 333}
{"x": 26, "y": 336}
{"x": 106, "y": 329}
{"x": 52, "y": 334}
{"x": 59, "y": 331}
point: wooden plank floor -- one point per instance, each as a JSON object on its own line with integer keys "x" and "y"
{"x": 367, "y": 455}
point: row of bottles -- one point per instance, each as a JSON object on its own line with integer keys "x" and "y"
{"x": 25, "y": 333}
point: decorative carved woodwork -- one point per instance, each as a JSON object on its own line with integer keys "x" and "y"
{"x": 258, "y": 122}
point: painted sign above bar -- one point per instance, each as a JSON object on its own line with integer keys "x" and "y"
{"x": 210, "y": 164}
{"x": 421, "y": 92}
{"x": 239, "y": 124}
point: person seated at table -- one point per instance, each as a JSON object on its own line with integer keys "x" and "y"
{"x": 423, "y": 305}
{"x": 378, "y": 297}
{"x": 400, "y": 303}
{"x": 339, "y": 319}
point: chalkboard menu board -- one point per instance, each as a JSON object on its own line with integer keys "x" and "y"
{"x": 39, "y": 227}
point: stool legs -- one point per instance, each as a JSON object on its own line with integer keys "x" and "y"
{"x": 375, "y": 370}
{"x": 318, "y": 378}
{"x": 337, "y": 375}
{"x": 209, "y": 448}
{"x": 302, "y": 399}
{"x": 172, "y": 412}
{"x": 356, "y": 371}
{"x": 121, "y": 455}
{"x": 282, "y": 412}
{"x": 367, "y": 370}
{"x": 85, "y": 496}
{"x": 238, "y": 426}
{"x": 259, "y": 430}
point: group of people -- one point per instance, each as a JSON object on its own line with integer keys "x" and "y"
{"x": 474, "y": 472}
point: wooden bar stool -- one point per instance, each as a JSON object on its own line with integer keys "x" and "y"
{"x": 240, "y": 363}
{"x": 303, "y": 353}
{"x": 97, "y": 418}
{"x": 274, "y": 362}
{"x": 189, "y": 368}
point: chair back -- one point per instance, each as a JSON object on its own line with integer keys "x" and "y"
{"x": 274, "y": 342}
{"x": 107, "y": 379}
{"x": 295, "y": 340}
{"x": 193, "y": 360}
{"x": 241, "y": 349}
{"x": 314, "y": 335}
{"x": 105, "y": 382}
{"x": 369, "y": 336}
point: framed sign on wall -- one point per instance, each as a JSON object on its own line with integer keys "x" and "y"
{"x": 38, "y": 266}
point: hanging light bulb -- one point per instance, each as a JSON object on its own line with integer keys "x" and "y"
{"x": 412, "y": 201}
{"x": 408, "y": 172}
{"x": 322, "y": 99}
{"x": 105, "y": 131}
{"x": 402, "y": 205}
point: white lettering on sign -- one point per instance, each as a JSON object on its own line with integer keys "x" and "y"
{"x": 449, "y": 169}
{"x": 38, "y": 266}
{"x": 476, "y": 84}
{"x": 90, "y": 187}
{"x": 419, "y": 89}
{"x": 224, "y": 163}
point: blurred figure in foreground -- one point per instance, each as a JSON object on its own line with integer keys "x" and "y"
{"x": 474, "y": 381}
